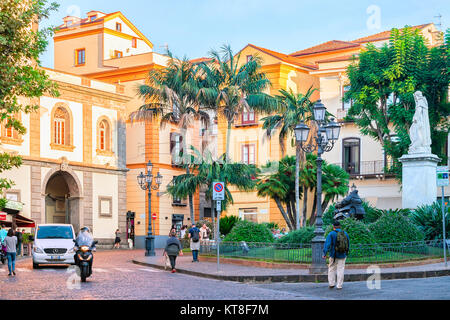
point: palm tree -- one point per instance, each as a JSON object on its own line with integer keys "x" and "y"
{"x": 230, "y": 88}
{"x": 171, "y": 94}
{"x": 205, "y": 170}
{"x": 291, "y": 109}
{"x": 335, "y": 182}
{"x": 278, "y": 185}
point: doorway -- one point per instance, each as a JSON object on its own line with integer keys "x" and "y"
{"x": 62, "y": 198}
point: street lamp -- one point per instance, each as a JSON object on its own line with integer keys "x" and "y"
{"x": 326, "y": 137}
{"x": 145, "y": 182}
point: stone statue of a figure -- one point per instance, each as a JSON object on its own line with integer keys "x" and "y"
{"x": 419, "y": 132}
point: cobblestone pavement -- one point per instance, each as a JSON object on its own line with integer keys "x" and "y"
{"x": 116, "y": 277}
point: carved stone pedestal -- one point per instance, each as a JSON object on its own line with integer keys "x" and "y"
{"x": 418, "y": 179}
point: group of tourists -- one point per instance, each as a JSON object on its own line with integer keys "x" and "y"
{"x": 11, "y": 243}
{"x": 196, "y": 236}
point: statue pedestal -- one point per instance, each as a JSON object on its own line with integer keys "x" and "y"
{"x": 418, "y": 179}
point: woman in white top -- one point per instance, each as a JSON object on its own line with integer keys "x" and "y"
{"x": 11, "y": 245}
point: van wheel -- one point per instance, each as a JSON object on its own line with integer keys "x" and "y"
{"x": 35, "y": 266}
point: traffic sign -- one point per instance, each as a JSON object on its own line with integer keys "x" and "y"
{"x": 218, "y": 191}
{"x": 154, "y": 216}
{"x": 442, "y": 173}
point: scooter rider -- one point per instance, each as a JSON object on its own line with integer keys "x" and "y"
{"x": 85, "y": 238}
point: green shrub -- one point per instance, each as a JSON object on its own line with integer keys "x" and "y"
{"x": 249, "y": 231}
{"x": 271, "y": 225}
{"x": 372, "y": 213}
{"x": 302, "y": 235}
{"x": 227, "y": 223}
{"x": 328, "y": 215}
{"x": 358, "y": 232}
{"x": 394, "y": 226}
{"x": 428, "y": 219}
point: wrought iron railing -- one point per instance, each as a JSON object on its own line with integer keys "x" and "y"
{"x": 364, "y": 168}
{"x": 301, "y": 253}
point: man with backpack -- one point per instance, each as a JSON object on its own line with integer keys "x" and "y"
{"x": 194, "y": 235}
{"x": 338, "y": 244}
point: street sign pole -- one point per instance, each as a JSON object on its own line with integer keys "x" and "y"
{"x": 442, "y": 181}
{"x": 443, "y": 228}
{"x": 218, "y": 196}
{"x": 219, "y": 209}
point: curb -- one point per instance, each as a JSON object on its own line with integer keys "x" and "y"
{"x": 309, "y": 277}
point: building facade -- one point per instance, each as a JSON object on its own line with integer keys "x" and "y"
{"x": 108, "y": 47}
{"x": 73, "y": 155}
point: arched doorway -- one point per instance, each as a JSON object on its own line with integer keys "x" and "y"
{"x": 62, "y": 197}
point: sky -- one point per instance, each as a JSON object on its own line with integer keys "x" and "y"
{"x": 192, "y": 28}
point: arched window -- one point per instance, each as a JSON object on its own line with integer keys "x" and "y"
{"x": 104, "y": 136}
{"x": 11, "y": 135}
{"x": 61, "y": 128}
{"x": 61, "y": 123}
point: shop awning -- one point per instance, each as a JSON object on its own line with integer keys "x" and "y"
{"x": 21, "y": 222}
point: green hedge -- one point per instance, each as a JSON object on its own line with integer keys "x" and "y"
{"x": 358, "y": 232}
{"x": 393, "y": 227}
{"x": 250, "y": 232}
{"x": 302, "y": 235}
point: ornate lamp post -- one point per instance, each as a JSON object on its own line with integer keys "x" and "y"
{"x": 145, "y": 182}
{"x": 327, "y": 135}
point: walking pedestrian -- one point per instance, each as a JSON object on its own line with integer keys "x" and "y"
{"x": 173, "y": 249}
{"x": 19, "y": 236}
{"x": 204, "y": 235}
{"x": 11, "y": 249}
{"x": 338, "y": 244}
{"x": 117, "y": 240}
{"x": 194, "y": 236}
{"x": 3, "y": 233}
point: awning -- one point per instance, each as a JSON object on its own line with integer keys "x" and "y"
{"x": 21, "y": 222}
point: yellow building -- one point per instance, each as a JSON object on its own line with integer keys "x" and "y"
{"x": 361, "y": 156}
{"x": 248, "y": 140}
{"x": 108, "y": 47}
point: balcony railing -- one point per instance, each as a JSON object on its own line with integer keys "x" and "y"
{"x": 366, "y": 168}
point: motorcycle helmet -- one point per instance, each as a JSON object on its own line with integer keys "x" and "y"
{"x": 85, "y": 229}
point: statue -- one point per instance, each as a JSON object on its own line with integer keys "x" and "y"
{"x": 350, "y": 206}
{"x": 419, "y": 132}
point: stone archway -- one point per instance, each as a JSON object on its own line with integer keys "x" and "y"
{"x": 62, "y": 197}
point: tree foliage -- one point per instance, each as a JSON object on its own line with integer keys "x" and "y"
{"x": 277, "y": 181}
{"x": 429, "y": 220}
{"x": 21, "y": 78}
{"x": 383, "y": 81}
{"x": 205, "y": 170}
{"x": 230, "y": 87}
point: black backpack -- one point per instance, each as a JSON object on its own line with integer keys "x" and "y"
{"x": 195, "y": 236}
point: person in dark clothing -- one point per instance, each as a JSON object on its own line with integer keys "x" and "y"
{"x": 173, "y": 249}
{"x": 336, "y": 260}
{"x": 19, "y": 236}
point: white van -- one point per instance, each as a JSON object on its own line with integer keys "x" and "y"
{"x": 53, "y": 244}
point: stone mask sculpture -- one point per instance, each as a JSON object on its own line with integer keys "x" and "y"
{"x": 419, "y": 132}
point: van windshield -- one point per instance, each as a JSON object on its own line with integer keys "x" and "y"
{"x": 54, "y": 232}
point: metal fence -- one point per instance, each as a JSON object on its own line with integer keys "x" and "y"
{"x": 301, "y": 253}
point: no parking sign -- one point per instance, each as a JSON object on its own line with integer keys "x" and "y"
{"x": 218, "y": 191}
